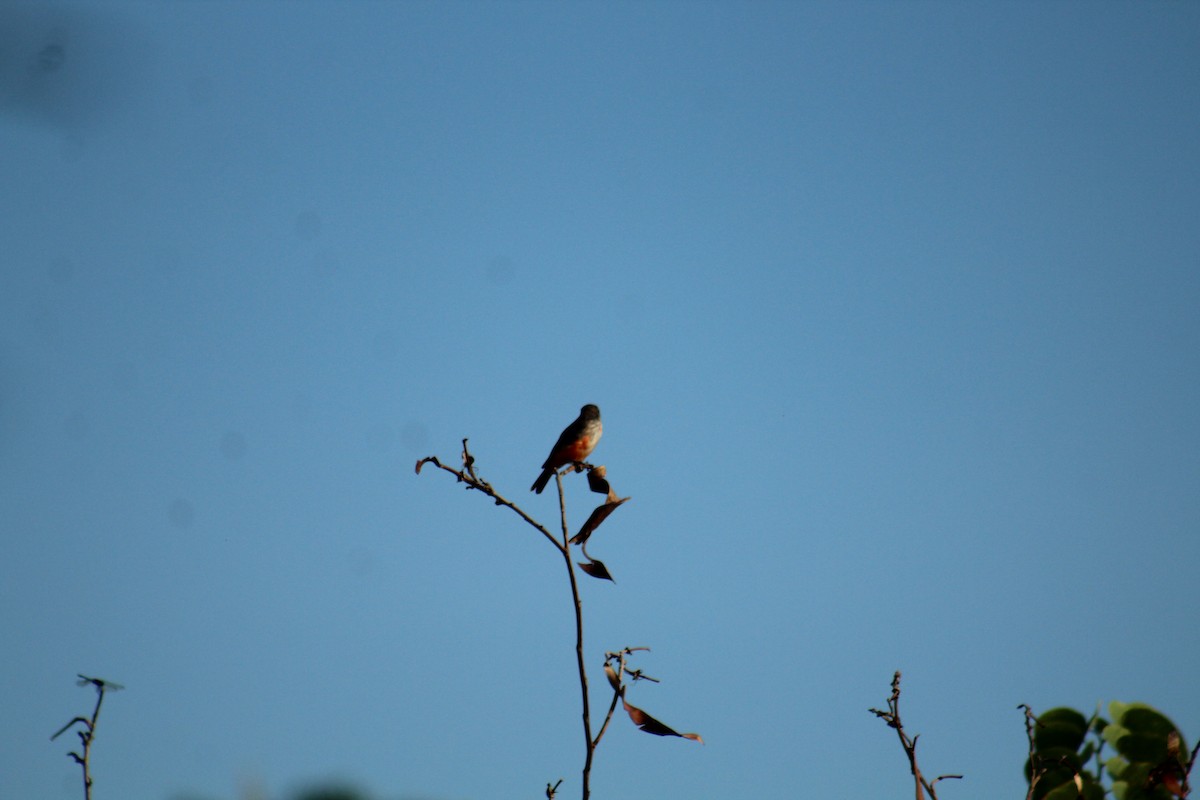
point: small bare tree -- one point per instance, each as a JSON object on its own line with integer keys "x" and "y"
{"x": 909, "y": 743}
{"x": 88, "y": 733}
{"x": 616, "y": 668}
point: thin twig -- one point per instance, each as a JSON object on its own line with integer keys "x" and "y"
{"x": 892, "y": 718}
{"x": 1035, "y": 768}
{"x": 589, "y": 745}
{"x": 88, "y": 734}
{"x": 617, "y": 680}
{"x": 1185, "y": 786}
{"x": 468, "y": 476}
{"x": 1100, "y": 741}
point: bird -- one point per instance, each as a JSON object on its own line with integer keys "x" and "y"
{"x": 574, "y": 444}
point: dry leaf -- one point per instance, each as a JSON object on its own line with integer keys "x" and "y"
{"x": 1171, "y": 784}
{"x": 596, "y": 481}
{"x": 596, "y": 569}
{"x": 650, "y": 725}
{"x": 598, "y": 515}
{"x": 1170, "y": 771}
{"x": 611, "y": 674}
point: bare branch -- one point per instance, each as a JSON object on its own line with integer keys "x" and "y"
{"x": 565, "y": 549}
{"x": 88, "y": 734}
{"x": 892, "y": 718}
{"x": 616, "y": 677}
{"x": 63, "y": 729}
{"x": 1187, "y": 773}
{"x": 1036, "y": 770}
{"x": 468, "y": 476}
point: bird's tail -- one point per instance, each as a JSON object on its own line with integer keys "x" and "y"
{"x": 542, "y": 480}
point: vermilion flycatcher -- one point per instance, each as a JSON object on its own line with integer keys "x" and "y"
{"x": 574, "y": 444}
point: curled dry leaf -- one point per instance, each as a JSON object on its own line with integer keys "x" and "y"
{"x": 1171, "y": 784}
{"x": 650, "y": 725}
{"x": 1169, "y": 773}
{"x": 596, "y": 569}
{"x": 598, "y": 515}
{"x": 611, "y": 674}
{"x": 596, "y": 480}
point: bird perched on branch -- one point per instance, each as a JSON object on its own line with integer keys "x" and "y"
{"x": 574, "y": 444}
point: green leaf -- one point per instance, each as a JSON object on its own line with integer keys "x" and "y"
{"x": 1066, "y": 755}
{"x": 1137, "y": 791}
{"x": 1139, "y": 747}
{"x": 1051, "y": 782}
{"x": 1069, "y": 791}
{"x": 1114, "y": 733}
{"x": 1116, "y": 767}
{"x": 1135, "y": 776}
{"x": 1063, "y": 716}
{"x": 1141, "y": 718}
{"x": 1065, "y": 791}
{"x": 1060, "y": 727}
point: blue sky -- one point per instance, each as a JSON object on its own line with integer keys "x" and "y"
{"x": 891, "y": 310}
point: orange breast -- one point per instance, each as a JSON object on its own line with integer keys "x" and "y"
{"x": 580, "y": 449}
